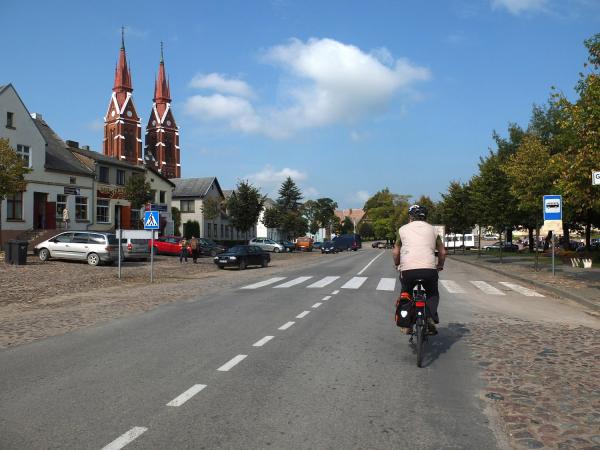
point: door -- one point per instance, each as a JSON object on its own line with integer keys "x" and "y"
{"x": 79, "y": 247}
{"x": 62, "y": 245}
{"x": 39, "y": 210}
{"x": 50, "y": 215}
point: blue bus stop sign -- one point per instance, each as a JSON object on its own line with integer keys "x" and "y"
{"x": 552, "y": 207}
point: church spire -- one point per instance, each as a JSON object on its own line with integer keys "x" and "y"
{"x": 162, "y": 92}
{"x": 122, "y": 75}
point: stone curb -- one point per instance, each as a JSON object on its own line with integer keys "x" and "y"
{"x": 558, "y": 291}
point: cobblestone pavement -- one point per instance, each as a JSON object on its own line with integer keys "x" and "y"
{"x": 39, "y": 300}
{"x": 543, "y": 380}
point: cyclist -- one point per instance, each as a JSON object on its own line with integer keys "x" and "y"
{"x": 414, "y": 258}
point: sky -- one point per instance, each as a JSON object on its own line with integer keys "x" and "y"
{"x": 347, "y": 97}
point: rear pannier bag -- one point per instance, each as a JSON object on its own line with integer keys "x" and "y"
{"x": 404, "y": 311}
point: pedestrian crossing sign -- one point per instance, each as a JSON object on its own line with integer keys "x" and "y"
{"x": 151, "y": 220}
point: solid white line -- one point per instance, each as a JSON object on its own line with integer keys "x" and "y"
{"x": 386, "y": 284}
{"x": 487, "y": 288}
{"x": 303, "y": 314}
{"x": 285, "y": 326}
{"x": 178, "y": 401}
{"x": 263, "y": 283}
{"x": 336, "y": 292}
{"x": 231, "y": 363}
{"x": 370, "y": 262}
{"x": 354, "y": 282}
{"x": 293, "y": 282}
{"x": 324, "y": 282}
{"x": 125, "y": 438}
{"x": 327, "y": 297}
{"x": 263, "y": 341}
{"x": 521, "y": 290}
{"x": 452, "y": 287}
{"x": 316, "y": 305}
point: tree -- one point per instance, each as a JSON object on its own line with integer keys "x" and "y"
{"x": 212, "y": 207}
{"x": 365, "y": 229}
{"x": 325, "y": 213}
{"x": 244, "y": 206}
{"x": 272, "y": 217}
{"x": 292, "y": 223}
{"x": 456, "y": 209}
{"x": 385, "y": 209}
{"x": 289, "y": 196}
{"x": 176, "y": 214}
{"x": 12, "y": 174}
{"x": 347, "y": 225}
{"x": 138, "y": 191}
{"x": 309, "y": 211}
{"x": 191, "y": 228}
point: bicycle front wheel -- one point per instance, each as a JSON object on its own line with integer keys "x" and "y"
{"x": 420, "y": 331}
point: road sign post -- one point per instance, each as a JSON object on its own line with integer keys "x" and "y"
{"x": 151, "y": 222}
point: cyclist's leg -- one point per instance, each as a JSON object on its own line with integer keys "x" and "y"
{"x": 430, "y": 277}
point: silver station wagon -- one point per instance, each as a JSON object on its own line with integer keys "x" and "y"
{"x": 90, "y": 246}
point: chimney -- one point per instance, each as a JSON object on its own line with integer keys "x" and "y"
{"x": 73, "y": 144}
{"x": 36, "y": 116}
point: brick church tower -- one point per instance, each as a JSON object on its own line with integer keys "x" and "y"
{"x": 122, "y": 127}
{"x": 162, "y": 134}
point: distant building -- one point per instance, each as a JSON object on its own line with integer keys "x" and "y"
{"x": 355, "y": 214}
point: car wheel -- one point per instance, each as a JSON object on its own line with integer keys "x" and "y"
{"x": 276, "y": 250}
{"x": 93, "y": 259}
{"x": 242, "y": 265}
{"x": 264, "y": 263}
{"x": 44, "y": 254}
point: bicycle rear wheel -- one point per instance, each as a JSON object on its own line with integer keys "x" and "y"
{"x": 420, "y": 331}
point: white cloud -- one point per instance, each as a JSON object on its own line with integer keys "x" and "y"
{"x": 517, "y": 7}
{"x": 326, "y": 82}
{"x": 362, "y": 196}
{"x": 221, "y": 84}
{"x": 270, "y": 179}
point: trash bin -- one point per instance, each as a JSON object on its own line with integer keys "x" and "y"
{"x": 19, "y": 253}
{"x": 8, "y": 252}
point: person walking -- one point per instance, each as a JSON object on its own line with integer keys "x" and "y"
{"x": 194, "y": 247}
{"x": 183, "y": 253}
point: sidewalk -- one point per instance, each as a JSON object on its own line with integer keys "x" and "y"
{"x": 577, "y": 284}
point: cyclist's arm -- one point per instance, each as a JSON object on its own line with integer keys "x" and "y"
{"x": 396, "y": 250}
{"x": 441, "y": 253}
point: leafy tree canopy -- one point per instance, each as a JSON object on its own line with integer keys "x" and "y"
{"x": 244, "y": 206}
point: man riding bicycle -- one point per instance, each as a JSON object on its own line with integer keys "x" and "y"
{"x": 414, "y": 258}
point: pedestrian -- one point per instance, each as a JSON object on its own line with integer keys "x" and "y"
{"x": 66, "y": 218}
{"x": 194, "y": 247}
{"x": 183, "y": 253}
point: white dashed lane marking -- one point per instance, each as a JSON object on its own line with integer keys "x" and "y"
{"x": 386, "y": 284}
{"x": 521, "y": 290}
{"x": 263, "y": 341}
{"x": 316, "y": 305}
{"x": 178, "y": 401}
{"x": 327, "y": 297}
{"x": 125, "y": 438}
{"x": 303, "y": 314}
{"x": 285, "y": 326}
{"x": 336, "y": 292}
{"x": 487, "y": 288}
{"x": 323, "y": 282}
{"x": 293, "y": 282}
{"x": 354, "y": 283}
{"x": 231, "y": 363}
{"x": 263, "y": 283}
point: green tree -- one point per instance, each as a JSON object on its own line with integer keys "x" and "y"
{"x": 176, "y": 214}
{"x": 272, "y": 217}
{"x": 191, "y": 228}
{"x": 456, "y": 209}
{"x": 289, "y": 195}
{"x": 309, "y": 211}
{"x": 365, "y": 229}
{"x": 292, "y": 223}
{"x": 244, "y": 206}
{"x": 386, "y": 209}
{"x": 347, "y": 225}
{"x": 12, "y": 174}
{"x": 212, "y": 207}
{"x": 138, "y": 191}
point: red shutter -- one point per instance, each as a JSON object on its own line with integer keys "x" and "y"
{"x": 50, "y": 215}
{"x": 126, "y": 217}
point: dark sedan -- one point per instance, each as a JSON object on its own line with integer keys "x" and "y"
{"x": 329, "y": 247}
{"x": 289, "y": 246}
{"x": 208, "y": 247}
{"x": 242, "y": 256}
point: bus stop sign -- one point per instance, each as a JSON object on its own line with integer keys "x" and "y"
{"x": 552, "y": 207}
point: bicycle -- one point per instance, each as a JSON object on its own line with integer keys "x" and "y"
{"x": 419, "y": 319}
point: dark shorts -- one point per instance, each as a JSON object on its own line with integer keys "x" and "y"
{"x": 408, "y": 279}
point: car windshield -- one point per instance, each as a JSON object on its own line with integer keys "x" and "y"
{"x": 238, "y": 249}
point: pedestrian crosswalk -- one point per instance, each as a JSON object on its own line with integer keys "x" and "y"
{"x": 499, "y": 288}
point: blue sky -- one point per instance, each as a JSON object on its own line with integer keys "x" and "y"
{"x": 347, "y": 97}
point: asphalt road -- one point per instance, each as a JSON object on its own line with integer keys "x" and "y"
{"x": 280, "y": 366}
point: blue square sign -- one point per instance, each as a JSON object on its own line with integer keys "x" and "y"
{"x": 552, "y": 207}
{"x": 151, "y": 221}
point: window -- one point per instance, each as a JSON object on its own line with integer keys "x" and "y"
{"x": 208, "y": 228}
{"x": 9, "y": 120}
{"x": 65, "y": 238}
{"x": 120, "y": 177}
{"x": 14, "y": 206}
{"x": 102, "y": 215}
{"x": 24, "y": 152}
{"x": 72, "y": 180}
{"x": 80, "y": 238}
{"x": 81, "y": 208}
{"x": 187, "y": 206}
{"x": 162, "y": 197}
{"x": 216, "y": 230}
{"x": 61, "y": 203}
{"x": 103, "y": 177}
{"x": 96, "y": 238}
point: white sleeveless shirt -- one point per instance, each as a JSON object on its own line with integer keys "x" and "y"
{"x": 418, "y": 243}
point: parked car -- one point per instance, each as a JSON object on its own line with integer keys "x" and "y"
{"x": 329, "y": 247}
{"x": 289, "y": 246}
{"x": 506, "y": 247}
{"x": 348, "y": 241}
{"x": 169, "y": 245}
{"x": 135, "y": 249}
{"x": 93, "y": 247}
{"x": 376, "y": 244}
{"x": 382, "y": 245}
{"x": 267, "y": 244}
{"x": 208, "y": 247}
{"x": 304, "y": 244}
{"x": 242, "y": 256}
{"x": 317, "y": 245}
{"x": 594, "y": 246}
